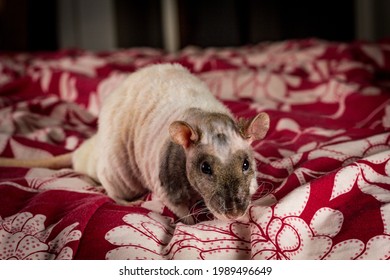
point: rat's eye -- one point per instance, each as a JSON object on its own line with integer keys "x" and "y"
{"x": 206, "y": 168}
{"x": 245, "y": 165}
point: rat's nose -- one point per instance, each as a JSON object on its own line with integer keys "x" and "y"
{"x": 239, "y": 208}
{"x": 229, "y": 203}
{"x": 235, "y": 214}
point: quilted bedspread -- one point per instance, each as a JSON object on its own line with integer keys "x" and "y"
{"x": 324, "y": 167}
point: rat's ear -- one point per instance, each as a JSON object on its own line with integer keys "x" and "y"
{"x": 182, "y": 133}
{"x": 255, "y": 128}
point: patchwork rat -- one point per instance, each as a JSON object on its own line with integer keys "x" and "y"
{"x": 163, "y": 131}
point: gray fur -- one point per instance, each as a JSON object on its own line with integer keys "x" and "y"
{"x": 226, "y": 190}
{"x": 173, "y": 174}
{"x": 221, "y": 139}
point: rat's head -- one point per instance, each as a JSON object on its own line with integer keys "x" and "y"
{"x": 220, "y": 164}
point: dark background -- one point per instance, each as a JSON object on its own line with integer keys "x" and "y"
{"x": 32, "y": 25}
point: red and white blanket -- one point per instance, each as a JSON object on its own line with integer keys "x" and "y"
{"x": 324, "y": 167}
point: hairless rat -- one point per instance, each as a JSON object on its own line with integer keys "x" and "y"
{"x": 163, "y": 131}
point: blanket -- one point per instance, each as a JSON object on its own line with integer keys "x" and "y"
{"x": 324, "y": 167}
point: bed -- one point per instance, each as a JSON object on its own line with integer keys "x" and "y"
{"x": 324, "y": 166}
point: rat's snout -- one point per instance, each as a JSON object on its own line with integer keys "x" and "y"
{"x": 226, "y": 205}
{"x": 232, "y": 215}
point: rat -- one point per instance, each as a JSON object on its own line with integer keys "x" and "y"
{"x": 163, "y": 131}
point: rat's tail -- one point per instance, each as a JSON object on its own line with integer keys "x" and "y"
{"x": 57, "y": 162}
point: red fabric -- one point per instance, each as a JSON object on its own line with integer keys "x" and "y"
{"x": 324, "y": 167}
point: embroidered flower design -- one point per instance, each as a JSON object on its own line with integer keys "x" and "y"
{"x": 24, "y": 236}
{"x": 277, "y": 234}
